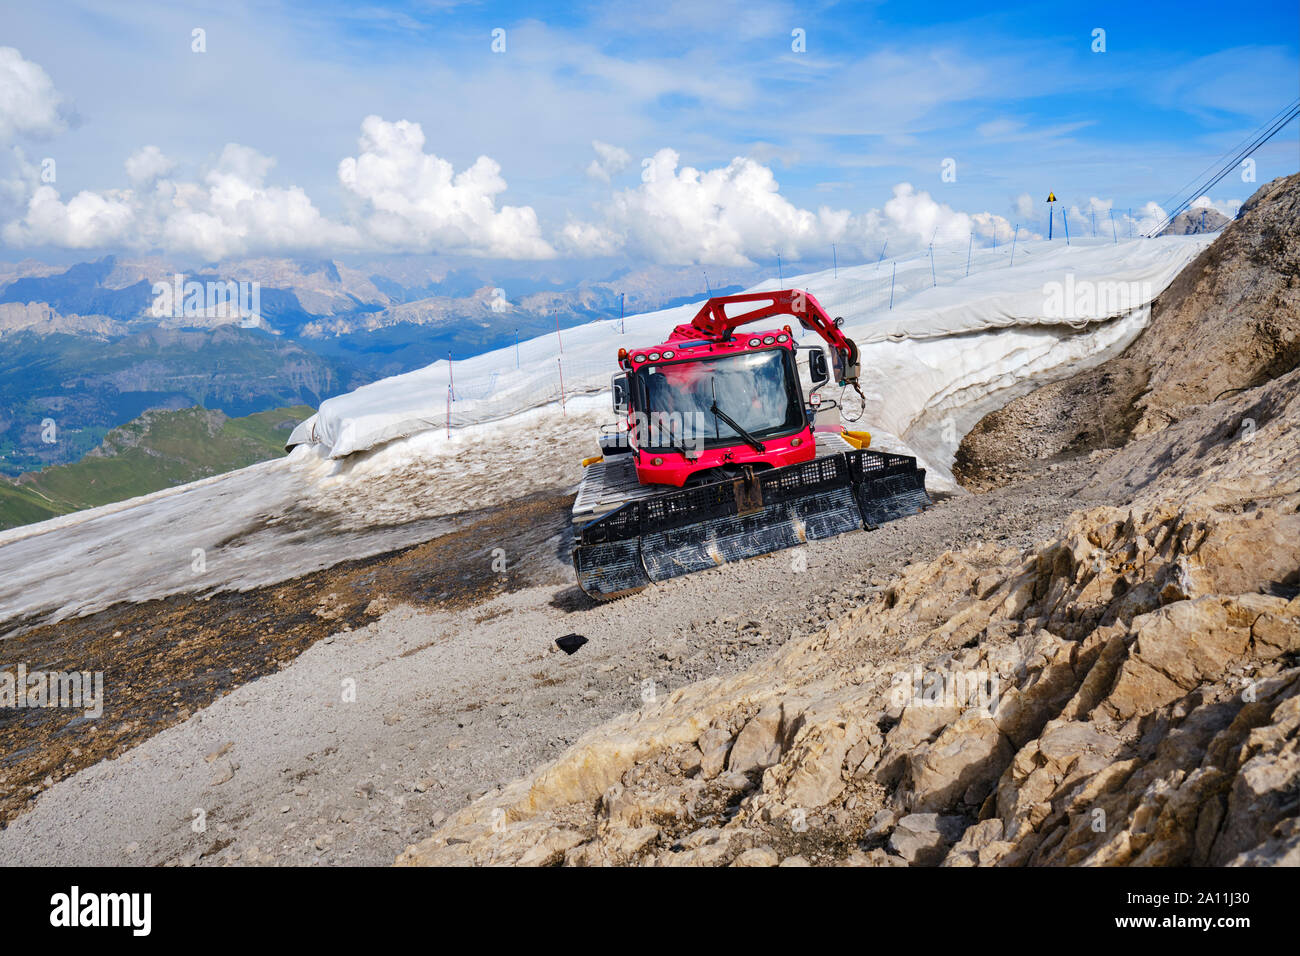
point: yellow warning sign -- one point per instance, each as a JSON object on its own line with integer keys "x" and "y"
{"x": 1051, "y": 197}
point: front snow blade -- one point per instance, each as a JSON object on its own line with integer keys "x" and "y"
{"x": 693, "y": 529}
{"x": 610, "y": 569}
{"x": 890, "y": 497}
{"x": 716, "y": 541}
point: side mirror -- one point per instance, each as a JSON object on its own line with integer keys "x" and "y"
{"x": 818, "y": 369}
{"x": 619, "y": 387}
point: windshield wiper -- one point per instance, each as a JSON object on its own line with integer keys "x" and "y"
{"x": 750, "y": 440}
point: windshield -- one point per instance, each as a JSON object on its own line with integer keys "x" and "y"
{"x": 755, "y": 389}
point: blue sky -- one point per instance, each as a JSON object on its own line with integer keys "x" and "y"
{"x": 882, "y": 94}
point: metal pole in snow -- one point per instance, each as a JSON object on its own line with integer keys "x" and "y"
{"x": 560, "y": 364}
{"x": 933, "y": 280}
{"x": 882, "y": 253}
{"x": 1113, "y": 231}
{"x": 706, "y": 284}
{"x": 557, "y": 333}
{"x": 969, "y": 244}
{"x": 448, "y": 411}
{"x": 1014, "y": 234}
{"x": 1051, "y": 215}
{"x": 891, "y": 284}
{"x": 451, "y": 381}
{"x": 1093, "y": 213}
{"x": 780, "y": 278}
{"x": 1065, "y": 218}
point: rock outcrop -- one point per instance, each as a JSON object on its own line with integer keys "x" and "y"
{"x": 38, "y": 318}
{"x": 1229, "y": 322}
{"x": 1193, "y": 222}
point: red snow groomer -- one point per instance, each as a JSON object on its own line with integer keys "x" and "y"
{"x": 716, "y": 456}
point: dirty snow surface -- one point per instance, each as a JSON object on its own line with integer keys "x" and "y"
{"x": 281, "y": 519}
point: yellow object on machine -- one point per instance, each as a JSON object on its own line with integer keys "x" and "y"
{"x": 856, "y": 439}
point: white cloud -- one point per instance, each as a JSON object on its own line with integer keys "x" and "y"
{"x": 587, "y": 239}
{"x": 147, "y": 164}
{"x": 609, "y": 161}
{"x": 735, "y": 215}
{"x": 404, "y": 199}
{"x": 17, "y": 187}
{"x": 1148, "y": 218}
{"x": 1025, "y": 206}
{"x": 29, "y": 103}
{"x": 407, "y": 200}
{"x": 85, "y": 221}
{"x": 231, "y": 212}
{"x": 1096, "y": 214}
{"x": 919, "y": 217}
{"x": 416, "y": 201}
{"x": 1100, "y": 207}
{"x": 725, "y": 215}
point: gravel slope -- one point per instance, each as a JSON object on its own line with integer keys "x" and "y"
{"x": 451, "y": 703}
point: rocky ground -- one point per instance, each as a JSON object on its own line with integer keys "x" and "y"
{"x": 166, "y": 659}
{"x": 1127, "y": 692}
{"x": 1095, "y": 659}
{"x": 235, "y": 705}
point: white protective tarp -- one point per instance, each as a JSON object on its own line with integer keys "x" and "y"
{"x": 1057, "y": 298}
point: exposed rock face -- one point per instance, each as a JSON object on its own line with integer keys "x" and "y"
{"x": 1192, "y": 222}
{"x": 1230, "y": 321}
{"x": 39, "y": 318}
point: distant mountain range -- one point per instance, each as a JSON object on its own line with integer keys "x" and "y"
{"x": 82, "y": 350}
{"x": 1193, "y": 222}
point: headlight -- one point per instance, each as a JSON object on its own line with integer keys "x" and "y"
{"x": 768, "y": 340}
{"x": 754, "y": 343}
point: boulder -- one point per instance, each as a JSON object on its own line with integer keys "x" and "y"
{"x": 758, "y": 745}
{"x": 922, "y": 839}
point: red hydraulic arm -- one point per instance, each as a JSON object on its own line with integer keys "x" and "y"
{"x": 713, "y": 321}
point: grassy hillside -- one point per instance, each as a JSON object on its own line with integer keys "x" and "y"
{"x": 86, "y": 386}
{"x": 160, "y": 449}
